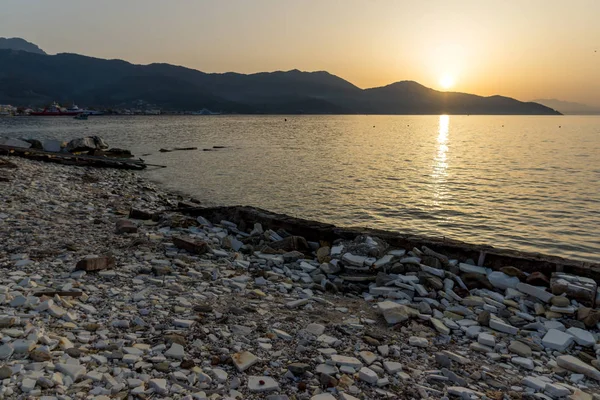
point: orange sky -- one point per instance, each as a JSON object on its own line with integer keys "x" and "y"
{"x": 526, "y": 49}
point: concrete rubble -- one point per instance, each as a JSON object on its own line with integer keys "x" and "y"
{"x": 174, "y": 307}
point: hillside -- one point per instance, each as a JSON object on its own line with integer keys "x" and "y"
{"x": 567, "y": 107}
{"x": 36, "y": 79}
{"x": 19, "y": 44}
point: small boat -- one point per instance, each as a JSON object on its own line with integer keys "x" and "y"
{"x": 82, "y": 117}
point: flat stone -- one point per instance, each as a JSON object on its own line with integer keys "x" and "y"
{"x": 367, "y": 375}
{"x": 262, "y": 384}
{"x": 75, "y": 371}
{"x": 315, "y": 329}
{"x": 523, "y": 362}
{"x": 345, "y": 360}
{"x": 557, "y": 340}
{"x": 486, "y": 339}
{"x": 368, "y": 357}
{"x": 175, "y": 351}
{"x": 28, "y": 385}
{"x": 534, "y": 291}
{"x": 472, "y": 269}
{"x": 534, "y": 382}
{"x": 392, "y": 366}
{"x": 418, "y": 341}
{"x": 519, "y": 348}
{"x": 555, "y": 390}
{"x": 502, "y": 281}
{"x": 501, "y": 326}
{"x": 323, "y": 396}
{"x": 440, "y": 326}
{"x": 574, "y": 364}
{"x": 244, "y": 360}
{"x": 582, "y": 337}
{"x": 158, "y": 385}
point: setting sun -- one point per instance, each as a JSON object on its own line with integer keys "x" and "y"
{"x": 446, "y": 82}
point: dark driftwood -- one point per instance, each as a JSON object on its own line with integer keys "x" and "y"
{"x": 73, "y": 159}
{"x": 317, "y": 231}
{"x": 58, "y": 292}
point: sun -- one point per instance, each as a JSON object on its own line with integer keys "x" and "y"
{"x": 447, "y": 82}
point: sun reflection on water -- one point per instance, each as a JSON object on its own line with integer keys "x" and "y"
{"x": 440, "y": 164}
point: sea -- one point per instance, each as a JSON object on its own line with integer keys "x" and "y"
{"x": 529, "y": 183}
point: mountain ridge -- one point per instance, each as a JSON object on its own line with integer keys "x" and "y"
{"x": 569, "y": 107}
{"x": 19, "y": 44}
{"x": 37, "y": 79}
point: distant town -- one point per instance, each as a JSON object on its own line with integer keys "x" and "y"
{"x": 55, "y": 109}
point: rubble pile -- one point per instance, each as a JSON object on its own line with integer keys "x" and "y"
{"x": 106, "y": 293}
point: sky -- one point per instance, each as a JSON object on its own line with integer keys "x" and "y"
{"x": 527, "y": 49}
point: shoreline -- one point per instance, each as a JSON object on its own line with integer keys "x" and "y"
{"x": 171, "y": 305}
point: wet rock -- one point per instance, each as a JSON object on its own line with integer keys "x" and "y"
{"x": 538, "y": 279}
{"x": 514, "y": 272}
{"x": 575, "y": 287}
{"x": 291, "y": 243}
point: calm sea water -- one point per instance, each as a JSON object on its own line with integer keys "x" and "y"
{"x": 526, "y": 183}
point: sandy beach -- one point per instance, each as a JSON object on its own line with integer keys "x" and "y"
{"x": 106, "y": 292}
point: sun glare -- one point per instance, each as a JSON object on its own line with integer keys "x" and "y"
{"x": 446, "y": 82}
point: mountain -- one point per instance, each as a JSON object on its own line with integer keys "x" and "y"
{"x": 37, "y": 79}
{"x": 19, "y": 44}
{"x": 567, "y": 107}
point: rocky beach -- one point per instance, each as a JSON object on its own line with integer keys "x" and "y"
{"x": 107, "y": 291}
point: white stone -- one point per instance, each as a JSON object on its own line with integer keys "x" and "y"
{"x": 27, "y": 385}
{"x": 502, "y": 281}
{"x": 574, "y": 364}
{"x": 534, "y": 291}
{"x": 486, "y": 339}
{"x": 74, "y": 371}
{"x": 176, "y": 351}
{"x": 368, "y": 357}
{"x": 244, "y": 360}
{"x": 323, "y": 396}
{"x": 555, "y": 390}
{"x": 418, "y": 341}
{"x": 473, "y": 269}
{"x": 557, "y": 340}
{"x": 220, "y": 375}
{"x": 502, "y": 326}
{"x": 392, "y": 366}
{"x": 261, "y": 384}
{"x": 367, "y": 375}
{"x": 534, "y": 382}
{"x": 582, "y": 337}
{"x": 159, "y": 385}
{"x": 523, "y": 362}
{"x": 354, "y": 260}
{"x": 345, "y": 360}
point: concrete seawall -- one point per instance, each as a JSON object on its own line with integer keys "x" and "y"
{"x": 484, "y": 255}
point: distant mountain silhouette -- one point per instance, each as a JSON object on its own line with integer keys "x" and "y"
{"x": 36, "y": 79}
{"x": 567, "y": 107}
{"x": 19, "y": 44}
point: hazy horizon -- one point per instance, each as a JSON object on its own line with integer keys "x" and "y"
{"x": 538, "y": 49}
